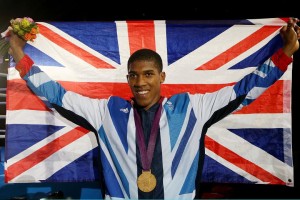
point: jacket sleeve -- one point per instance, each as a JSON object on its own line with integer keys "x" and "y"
{"x": 81, "y": 110}
{"x": 212, "y": 107}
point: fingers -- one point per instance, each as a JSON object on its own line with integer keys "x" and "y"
{"x": 293, "y": 20}
{"x": 292, "y": 23}
{"x": 292, "y": 26}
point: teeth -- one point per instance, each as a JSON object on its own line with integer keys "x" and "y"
{"x": 143, "y": 92}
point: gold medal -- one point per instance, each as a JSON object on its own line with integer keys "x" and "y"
{"x": 146, "y": 181}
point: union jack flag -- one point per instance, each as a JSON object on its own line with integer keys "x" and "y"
{"x": 252, "y": 145}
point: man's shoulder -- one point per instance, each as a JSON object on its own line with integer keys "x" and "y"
{"x": 118, "y": 101}
{"x": 179, "y": 97}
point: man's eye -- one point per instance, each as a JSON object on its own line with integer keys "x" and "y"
{"x": 132, "y": 75}
{"x": 148, "y": 74}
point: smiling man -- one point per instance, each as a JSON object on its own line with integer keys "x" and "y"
{"x": 151, "y": 146}
{"x": 145, "y": 76}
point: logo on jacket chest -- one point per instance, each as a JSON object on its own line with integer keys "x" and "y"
{"x": 124, "y": 110}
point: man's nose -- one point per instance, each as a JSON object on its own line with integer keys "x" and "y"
{"x": 140, "y": 80}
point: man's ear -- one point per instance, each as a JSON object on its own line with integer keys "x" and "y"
{"x": 162, "y": 77}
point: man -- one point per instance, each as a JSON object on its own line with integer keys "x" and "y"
{"x": 152, "y": 146}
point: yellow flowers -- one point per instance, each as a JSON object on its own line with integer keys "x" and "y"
{"x": 25, "y": 28}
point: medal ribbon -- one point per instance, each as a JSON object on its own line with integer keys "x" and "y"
{"x": 147, "y": 154}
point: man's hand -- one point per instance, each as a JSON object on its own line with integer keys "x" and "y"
{"x": 16, "y": 46}
{"x": 290, "y": 34}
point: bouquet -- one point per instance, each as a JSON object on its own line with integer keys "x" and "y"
{"x": 24, "y": 27}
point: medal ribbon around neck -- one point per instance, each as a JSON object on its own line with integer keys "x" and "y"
{"x": 147, "y": 181}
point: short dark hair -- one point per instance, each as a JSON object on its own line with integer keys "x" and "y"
{"x": 146, "y": 54}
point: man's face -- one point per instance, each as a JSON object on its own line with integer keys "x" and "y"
{"x": 144, "y": 80}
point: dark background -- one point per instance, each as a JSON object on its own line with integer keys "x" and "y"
{"x": 92, "y": 10}
{"x": 87, "y": 10}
